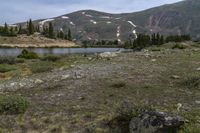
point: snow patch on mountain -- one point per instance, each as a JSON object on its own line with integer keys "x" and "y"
{"x": 130, "y": 22}
{"x": 46, "y": 20}
{"x": 65, "y": 17}
{"x": 94, "y": 22}
{"x": 72, "y": 23}
{"x": 87, "y": 15}
{"x": 134, "y": 26}
{"x": 89, "y": 38}
{"x": 105, "y": 17}
{"x": 118, "y": 33}
{"x": 83, "y": 13}
{"x": 118, "y": 18}
{"x": 12, "y": 25}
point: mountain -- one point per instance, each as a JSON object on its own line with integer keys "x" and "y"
{"x": 178, "y": 18}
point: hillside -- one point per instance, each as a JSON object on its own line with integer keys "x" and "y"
{"x": 179, "y": 18}
{"x": 34, "y": 41}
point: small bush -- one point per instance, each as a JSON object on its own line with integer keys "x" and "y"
{"x": 28, "y": 55}
{"x": 179, "y": 46}
{"x": 53, "y": 58}
{"x": 192, "y": 82}
{"x": 13, "y": 105}
{"x": 119, "y": 84}
{"x": 6, "y": 68}
{"x": 41, "y": 67}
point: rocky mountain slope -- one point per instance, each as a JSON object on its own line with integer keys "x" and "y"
{"x": 178, "y": 18}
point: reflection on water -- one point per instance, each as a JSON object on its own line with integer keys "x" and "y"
{"x": 57, "y": 51}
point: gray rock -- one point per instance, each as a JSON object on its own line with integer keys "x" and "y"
{"x": 155, "y": 122}
{"x": 79, "y": 75}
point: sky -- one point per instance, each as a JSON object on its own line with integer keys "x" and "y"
{"x": 13, "y": 11}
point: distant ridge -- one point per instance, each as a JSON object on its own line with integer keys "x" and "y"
{"x": 178, "y": 18}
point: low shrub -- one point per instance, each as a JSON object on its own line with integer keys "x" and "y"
{"x": 52, "y": 58}
{"x": 41, "y": 67}
{"x": 13, "y": 105}
{"x": 6, "y": 68}
{"x": 28, "y": 55}
{"x": 7, "y": 60}
{"x": 192, "y": 82}
{"x": 10, "y": 60}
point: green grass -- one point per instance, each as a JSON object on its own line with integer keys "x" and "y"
{"x": 52, "y": 58}
{"x": 13, "y": 104}
{"x": 192, "y": 82}
{"x": 41, "y": 66}
{"x": 6, "y": 68}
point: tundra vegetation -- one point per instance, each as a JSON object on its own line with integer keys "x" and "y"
{"x": 76, "y": 93}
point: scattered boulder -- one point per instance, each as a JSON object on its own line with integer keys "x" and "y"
{"x": 175, "y": 77}
{"x": 155, "y": 122}
{"x": 197, "y": 102}
{"x": 38, "y": 81}
{"x": 106, "y": 55}
{"x": 79, "y": 75}
{"x": 153, "y": 60}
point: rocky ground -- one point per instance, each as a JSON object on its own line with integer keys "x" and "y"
{"x": 84, "y": 97}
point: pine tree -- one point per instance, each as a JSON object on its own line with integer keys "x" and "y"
{"x": 5, "y": 29}
{"x": 162, "y": 40}
{"x": 12, "y": 32}
{"x": 69, "y": 35}
{"x": 20, "y": 30}
{"x": 30, "y": 27}
{"x": 51, "y": 30}
{"x": 153, "y": 39}
{"x": 66, "y": 37}
{"x": 61, "y": 34}
{"x": 157, "y": 39}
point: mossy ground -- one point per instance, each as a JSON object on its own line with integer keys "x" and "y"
{"x": 88, "y": 103}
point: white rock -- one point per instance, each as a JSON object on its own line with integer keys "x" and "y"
{"x": 179, "y": 105}
{"x": 38, "y": 81}
{"x": 13, "y": 84}
{"x": 175, "y": 77}
{"x": 107, "y": 55}
{"x": 198, "y": 69}
{"x": 197, "y": 102}
{"x": 153, "y": 60}
{"x": 65, "y": 77}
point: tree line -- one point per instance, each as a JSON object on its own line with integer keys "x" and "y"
{"x": 46, "y": 30}
{"x": 144, "y": 40}
{"x": 100, "y": 43}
